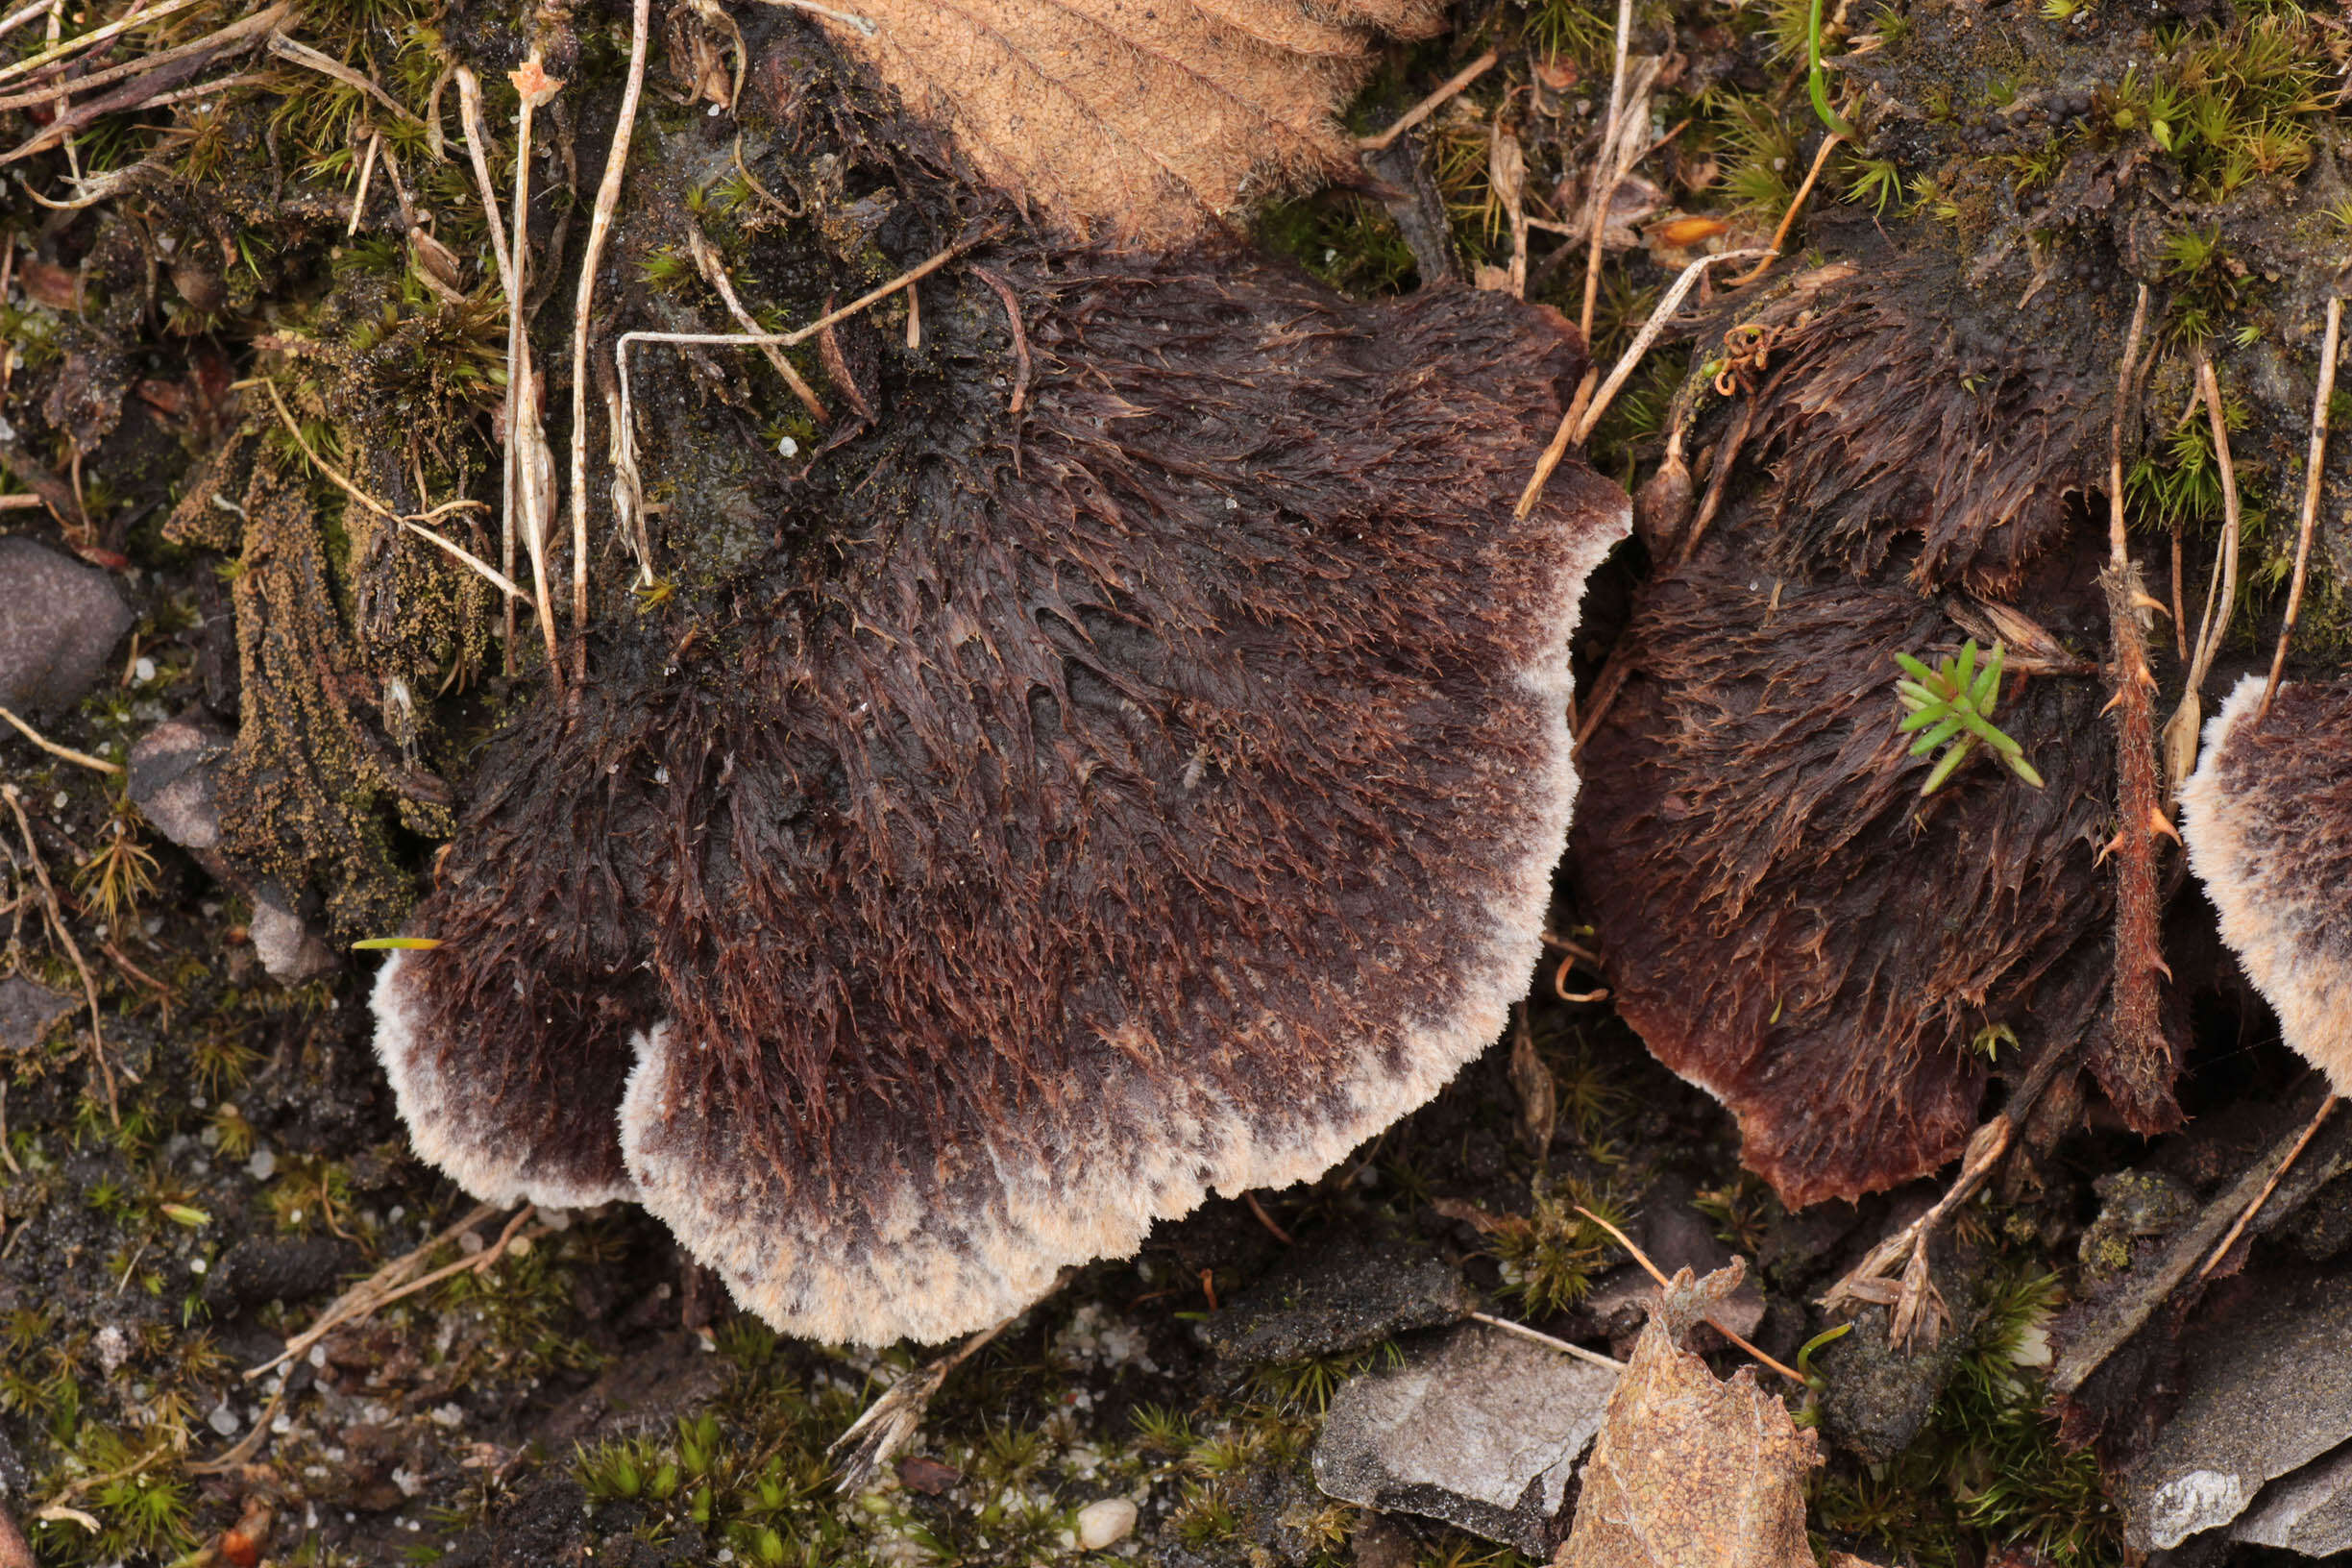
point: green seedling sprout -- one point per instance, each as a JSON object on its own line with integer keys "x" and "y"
{"x": 1952, "y": 706}
{"x": 1818, "y": 84}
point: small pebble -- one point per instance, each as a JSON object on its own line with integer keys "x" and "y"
{"x": 1105, "y": 1522}
{"x": 471, "y": 1243}
{"x": 263, "y": 1165}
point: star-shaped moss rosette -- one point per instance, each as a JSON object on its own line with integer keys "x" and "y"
{"x": 1952, "y": 706}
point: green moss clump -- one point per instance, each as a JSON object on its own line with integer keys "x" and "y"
{"x": 1988, "y": 1468}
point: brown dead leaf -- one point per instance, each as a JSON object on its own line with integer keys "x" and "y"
{"x": 1537, "y": 1092}
{"x": 1689, "y": 1471}
{"x": 60, "y": 288}
{"x": 1143, "y": 121}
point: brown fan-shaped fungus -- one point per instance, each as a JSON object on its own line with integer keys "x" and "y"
{"x": 1755, "y": 815}
{"x": 2268, "y": 817}
{"x": 1152, "y": 794}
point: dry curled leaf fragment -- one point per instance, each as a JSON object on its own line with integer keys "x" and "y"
{"x": 1690, "y": 1471}
{"x": 531, "y": 80}
{"x": 1140, "y": 121}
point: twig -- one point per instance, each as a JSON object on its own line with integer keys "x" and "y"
{"x": 2237, "y": 1227}
{"x": 492, "y": 574}
{"x": 301, "y": 54}
{"x": 1642, "y": 1257}
{"x": 2138, "y": 954}
{"x": 73, "y": 1489}
{"x": 798, "y": 334}
{"x": 146, "y": 91}
{"x": 600, "y": 230}
{"x": 2110, "y": 1323}
{"x": 1268, "y": 1220}
{"x": 414, "y": 525}
{"x": 1021, "y": 337}
{"x": 469, "y": 112}
{"x": 392, "y": 1282}
{"x": 1437, "y": 99}
{"x": 1542, "y": 1339}
{"x": 1605, "y": 172}
{"x": 2211, "y": 625}
{"x": 367, "y": 172}
{"x": 1788, "y": 219}
{"x": 531, "y": 465}
{"x": 2313, "y": 472}
{"x": 66, "y": 752}
{"x": 341, "y": 482}
{"x": 250, "y": 27}
{"x": 1650, "y": 329}
{"x": 54, "y": 913}
{"x": 245, "y": 1446}
{"x": 864, "y": 24}
{"x": 1577, "y": 425}
{"x": 100, "y": 35}
{"x": 714, "y": 273}
{"x": 2180, "y": 731}
{"x": 17, "y": 19}
{"x": 891, "y": 1420}
{"x": 2180, "y": 622}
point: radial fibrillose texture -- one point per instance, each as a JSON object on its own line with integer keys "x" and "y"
{"x": 2268, "y": 817}
{"x": 1159, "y": 795}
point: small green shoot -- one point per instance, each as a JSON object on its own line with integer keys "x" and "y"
{"x": 1991, "y": 1039}
{"x": 1955, "y": 704}
{"x": 1875, "y": 181}
{"x": 1818, "y": 84}
{"x": 380, "y": 945}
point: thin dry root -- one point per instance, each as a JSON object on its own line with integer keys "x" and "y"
{"x": 2313, "y": 471}
{"x": 2238, "y": 1225}
{"x": 1664, "y": 1284}
{"x": 874, "y": 1439}
{"x": 1914, "y": 1297}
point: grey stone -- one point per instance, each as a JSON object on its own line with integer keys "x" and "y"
{"x": 2309, "y": 1512}
{"x": 58, "y": 621}
{"x": 27, "y": 1010}
{"x": 1321, "y": 1300}
{"x": 171, "y": 780}
{"x": 2261, "y": 1397}
{"x": 1483, "y": 1434}
{"x": 289, "y": 948}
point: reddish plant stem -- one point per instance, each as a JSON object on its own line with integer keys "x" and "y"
{"x": 2139, "y": 1084}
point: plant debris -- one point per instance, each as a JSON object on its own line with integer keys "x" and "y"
{"x": 1690, "y": 1471}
